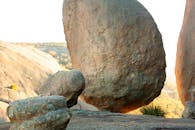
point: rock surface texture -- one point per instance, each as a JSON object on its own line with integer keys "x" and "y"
{"x": 39, "y": 113}
{"x": 185, "y": 62}
{"x": 69, "y": 84}
{"x": 189, "y": 111}
{"x": 86, "y": 120}
{"x": 26, "y": 67}
{"x": 118, "y": 48}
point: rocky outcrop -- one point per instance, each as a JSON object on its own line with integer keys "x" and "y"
{"x": 185, "y": 62}
{"x": 39, "y": 113}
{"x": 25, "y": 67}
{"x": 118, "y": 48}
{"x": 69, "y": 84}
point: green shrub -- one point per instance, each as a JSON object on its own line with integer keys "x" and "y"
{"x": 153, "y": 110}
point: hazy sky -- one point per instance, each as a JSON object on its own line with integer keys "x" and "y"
{"x": 168, "y": 15}
{"x": 31, "y": 20}
{"x": 41, "y": 20}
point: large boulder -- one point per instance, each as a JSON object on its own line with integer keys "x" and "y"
{"x": 69, "y": 84}
{"x": 39, "y": 113}
{"x": 185, "y": 62}
{"x": 118, "y": 48}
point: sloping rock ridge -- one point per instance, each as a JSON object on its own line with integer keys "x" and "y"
{"x": 26, "y": 68}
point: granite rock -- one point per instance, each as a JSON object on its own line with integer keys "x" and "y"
{"x": 69, "y": 84}
{"x": 118, "y": 48}
{"x": 39, "y": 113}
{"x": 185, "y": 62}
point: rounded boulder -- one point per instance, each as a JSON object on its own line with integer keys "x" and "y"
{"x": 117, "y": 46}
{"x": 69, "y": 84}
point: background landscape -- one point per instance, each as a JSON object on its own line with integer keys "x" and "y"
{"x": 42, "y": 28}
{"x": 168, "y": 100}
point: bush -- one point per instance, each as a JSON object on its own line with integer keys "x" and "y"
{"x": 153, "y": 110}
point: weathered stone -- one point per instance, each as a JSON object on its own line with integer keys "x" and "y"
{"x": 118, "y": 48}
{"x": 185, "y": 62}
{"x": 91, "y": 120}
{"x": 69, "y": 84}
{"x": 189, "y": 111}
{"x": 39, "y": 113}
{"x": 87, "y": 120}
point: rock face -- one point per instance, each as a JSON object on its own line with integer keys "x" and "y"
{"x": 189, "y": 111}
{"x": 69, "y": 84}
{"x": 185, "y": 62}
{"x": 26, "y": 67}
{"x": 119, "y": 50}
{"x": 39, "y": 113}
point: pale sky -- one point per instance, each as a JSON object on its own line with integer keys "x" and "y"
{"x": 41, "y": 21}
{"x": 168, "y": 14}
{"x": 31, "y": 20}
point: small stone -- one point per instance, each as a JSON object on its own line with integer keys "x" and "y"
{"x": 69, "y": 84}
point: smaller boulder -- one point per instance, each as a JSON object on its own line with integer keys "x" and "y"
{"x": 189, "y": 111}
{"x": 39, "y": 113}
{"x": 69, "y": 84}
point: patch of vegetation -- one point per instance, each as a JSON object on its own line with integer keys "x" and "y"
{"x": 153, "y": 110}
{"x": 168, "y": 100}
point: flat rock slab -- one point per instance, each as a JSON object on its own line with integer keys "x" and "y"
{"x": 88, "y": 120}
{"x": 4, "y": 126}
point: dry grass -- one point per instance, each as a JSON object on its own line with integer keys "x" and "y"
{"x": 153, "y": 110}
{"x": 168, "y": 102}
